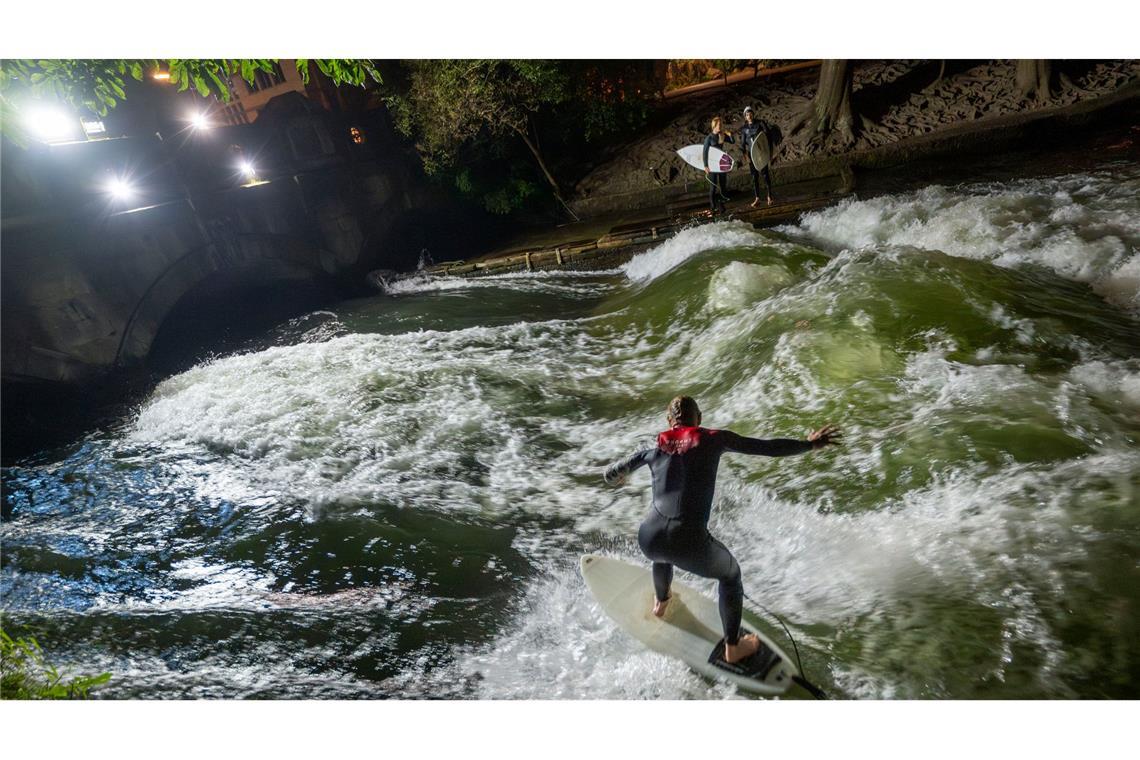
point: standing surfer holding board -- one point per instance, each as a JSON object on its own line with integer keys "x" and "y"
{"x": 675, "y": 532}
{"x": 718, "y": 190}
{"x": 753, "y": 129}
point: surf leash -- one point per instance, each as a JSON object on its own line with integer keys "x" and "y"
{"x": 807, "y": 685}
{"x": 709, "y": 179}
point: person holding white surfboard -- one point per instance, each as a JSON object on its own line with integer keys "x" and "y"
{"x": 675, "y": 532}
{"x": 749, "y": 133}
{"x": 718, "y": 187}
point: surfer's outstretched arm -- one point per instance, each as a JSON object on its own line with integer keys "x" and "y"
{"x": 780, "y": 447}
{"x": 616, "y": 473}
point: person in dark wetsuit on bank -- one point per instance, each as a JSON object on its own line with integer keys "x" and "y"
{"x": 752, "y": 129}
{"x": 718, "y": 189}
{"x": 675, "y": 532}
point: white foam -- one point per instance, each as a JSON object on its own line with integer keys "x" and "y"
{"x": 1116, "y": 381}
{"x": 1081, "y": 227}
{"x": 688, "y": 243}
{"x": 738, "y": 284}
{"x": 561, "y": 282}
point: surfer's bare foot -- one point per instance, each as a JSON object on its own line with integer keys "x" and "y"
{"x": 745, "y": 648}
{"x": 756, "y": 203}
{"x": 769, "y": 200}
{"x": 659, "y": 606}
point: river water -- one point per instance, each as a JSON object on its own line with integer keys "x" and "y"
{"x": 388, "y": 498}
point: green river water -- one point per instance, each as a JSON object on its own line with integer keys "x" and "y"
{"x": 388, "y": 498}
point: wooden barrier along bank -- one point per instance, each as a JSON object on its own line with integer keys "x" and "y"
{"x": 622, "y": 242}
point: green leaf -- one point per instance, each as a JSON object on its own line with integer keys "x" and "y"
{"x": 222, "y": 90}
{"x": 201, "y": 86}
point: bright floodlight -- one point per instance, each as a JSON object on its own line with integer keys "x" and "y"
{"x": 199, "y": 121}
{"x": 120, "y": 189}
{"x": 50, "y": 123}
{"x": 248, "y": 170}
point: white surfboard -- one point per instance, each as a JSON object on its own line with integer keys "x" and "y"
{"x": 761, "y": 151}
{"x": 689, "y": 630}
{"x": 719, "y": 161}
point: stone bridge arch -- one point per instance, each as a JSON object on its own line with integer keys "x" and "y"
{"x": 243, "y": 260}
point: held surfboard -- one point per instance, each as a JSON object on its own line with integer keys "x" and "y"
{"x": 761, "y": 151}
{"x": 690, "y": 630}
{"x": 719, "y": 161}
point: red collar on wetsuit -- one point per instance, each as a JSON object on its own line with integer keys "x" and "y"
{"x": 680, "y": 439}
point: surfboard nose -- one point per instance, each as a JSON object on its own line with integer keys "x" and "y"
{"x": 585, "y": 561}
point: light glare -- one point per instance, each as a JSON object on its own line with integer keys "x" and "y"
{"x": 50, "y": 123}
{"x": 120, "y": 189}
{"x": 199, "y": 121}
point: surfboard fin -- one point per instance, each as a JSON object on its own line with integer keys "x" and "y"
{"x": 758, "y": 666}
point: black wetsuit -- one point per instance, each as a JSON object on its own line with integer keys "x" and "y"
{"x": 675, "y": 531}
{"x": 748, "y": 135}
{"x": 718, "y": 181}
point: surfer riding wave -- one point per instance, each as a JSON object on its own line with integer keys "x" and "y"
{"x": 675, "y": 532}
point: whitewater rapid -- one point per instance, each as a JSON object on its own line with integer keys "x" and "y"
{"x": 436, "y": 453}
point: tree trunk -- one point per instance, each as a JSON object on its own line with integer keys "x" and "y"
{"x": 541, "y": 164}
{"x": 1034, "y": 79}
{"x": 830, "y": 110}
{"x": 546, "y": 172}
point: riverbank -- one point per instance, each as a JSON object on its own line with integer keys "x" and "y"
{"x": 612, "y": 239}
{"x": 1004, "y": 147}
{"x": 905, "y": 110}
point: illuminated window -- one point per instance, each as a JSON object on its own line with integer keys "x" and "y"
{"x": 357, "y": 135}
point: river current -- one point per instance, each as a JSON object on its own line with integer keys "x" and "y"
{"x": 388, "y": 498}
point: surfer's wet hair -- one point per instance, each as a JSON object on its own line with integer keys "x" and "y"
{"x": 714, "y": 125}
{"x": 683, "y": 410}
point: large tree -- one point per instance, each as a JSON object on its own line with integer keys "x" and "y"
{"x": 97, "y": 85}
{"x": 1034, "y": 79}
{"x": 830, "y": 111}
{"x": 449, "y": 104}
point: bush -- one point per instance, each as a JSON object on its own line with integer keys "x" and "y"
{"x": 25, "y": 674}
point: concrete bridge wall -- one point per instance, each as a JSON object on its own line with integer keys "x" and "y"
{"x": 88, "y": 280}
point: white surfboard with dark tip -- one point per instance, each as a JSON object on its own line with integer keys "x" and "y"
{"x": 690, "y": 629}
{"x": 719, "y": 161}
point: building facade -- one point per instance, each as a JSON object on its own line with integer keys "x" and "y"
{"x": 248, "y": 99}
